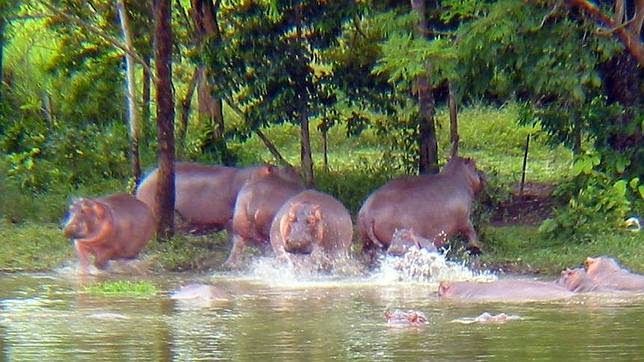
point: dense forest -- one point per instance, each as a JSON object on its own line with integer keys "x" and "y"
{"x": 99, "y": 91}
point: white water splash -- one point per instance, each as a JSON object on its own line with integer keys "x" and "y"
{"x": 420, "y": 265}
{"x": 416, "y": 266}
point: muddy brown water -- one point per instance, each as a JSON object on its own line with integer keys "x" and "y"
{"x": 276, "y": 314}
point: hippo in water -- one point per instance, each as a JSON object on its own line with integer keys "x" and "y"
{"x": 205, "y": 194}
{"x": 410, "y": 318}
{"x": 435, "y": 207}
{"x": 111, "y": 227}
{"x": 577, "y": 280}
{"x": 312, "y": 222}
{"x": 606, "y": 273}
{"x": 506, "y": 290}
{"x": 257, "y": 203}
{"x": 199, "y": 292}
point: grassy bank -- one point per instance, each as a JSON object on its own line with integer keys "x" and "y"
{"x": 32, "y": 239}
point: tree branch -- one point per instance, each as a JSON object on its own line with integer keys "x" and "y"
{"x": 630, "y": 41}
{"x": 95, "y": 30}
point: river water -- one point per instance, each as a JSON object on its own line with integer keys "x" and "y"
{"x": 271, "y": 313}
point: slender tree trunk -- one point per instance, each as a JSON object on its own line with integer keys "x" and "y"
{"x": 2, "y": 26}
{"x": 145, "y": 115}
{"x": 271, "y": 148}
{"x": 133, "y": 110}
{"x": 453, "y": 120}
{"x": 165, "y": 118}
{"x": 204, "y": 15}
{"x": 185, "y": 109}
{"x": 306, "y": 160}
{"x": 428, "y": 146}
{"x": 305, "y": 148}
{"x": 325, "y": 145}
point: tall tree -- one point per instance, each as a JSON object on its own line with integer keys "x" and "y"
{"x": 428, "y": 147}
{"x": 165, "y": 118}
{"x": 133, "y": 109}
{"x": 266, "y": 62}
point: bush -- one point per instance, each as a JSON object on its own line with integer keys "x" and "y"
{"x": 597, "y": 202}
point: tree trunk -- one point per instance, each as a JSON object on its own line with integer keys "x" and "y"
{"x": 453, "y": 120}
{"x": 427, "y": 144}
{"x": 165, "y": 118}
{"x": 2, "y": 26}
{"x": 271, "y": 148}
{"x": 204, "y": 15}
{"x": 145, "y": 116}
{"x": 305, "y": 148}
{"x": 325, "y": 145}
{"x": 306, "y": 160}
{"x": 133, "y": 110}
{"x": 185, "y": 109}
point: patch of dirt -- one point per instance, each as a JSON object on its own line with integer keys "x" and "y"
{"x": 529, "y": 206}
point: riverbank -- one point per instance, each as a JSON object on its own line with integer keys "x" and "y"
{"x": 30, "y": 247}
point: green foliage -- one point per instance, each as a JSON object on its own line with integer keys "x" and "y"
{"x": 597, "y": 202}
{"x": 39, "y": 159}
{"x": 123, "y": 288}
{"x": 353, "y": 184}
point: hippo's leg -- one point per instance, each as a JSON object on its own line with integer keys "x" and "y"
{"x": 473, "y": 243}
{"x": 101, "y": 257}
{"x": 83, "y": 256}
{"x": 235, "y": 253}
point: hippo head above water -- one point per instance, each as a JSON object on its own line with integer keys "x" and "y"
{"x": 302, "y": 228}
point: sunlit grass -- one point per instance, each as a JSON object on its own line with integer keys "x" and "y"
{"x": 123, "y": 288}
{"x": 525, "y": 248}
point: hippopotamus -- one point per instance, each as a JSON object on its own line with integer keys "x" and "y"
{"x": 404, "y": 239}
{"x": 111, "y": 227}
{"x": 436, "y": 207}
{"x": 505, "y": 290}
{"x": 312, "y": 222}
{"x": 410, "y": 318}
{"x": 205, "y": 194}
{"x": 488, "y": 318}
{"x": 606, "y": 273}
{"x": 200, "y": 292}
{"x": 577, "y": 280}
{"x": 257, "y": 203}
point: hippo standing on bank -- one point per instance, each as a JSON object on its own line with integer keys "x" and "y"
{"x": 204, "y": 195}
{"x": 257, "y": 203}
{"x": 112, "y": 227}
{"x": 436, "y": 207}
{"x": 312, "y": 222}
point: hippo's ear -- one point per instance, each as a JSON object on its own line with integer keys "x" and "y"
{"x": 99, "y": 209}
{"x": 317, "y": 212}
{"x": 588, "y": 262}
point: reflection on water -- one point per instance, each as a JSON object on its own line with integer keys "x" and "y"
{"x": 282, "y": 313}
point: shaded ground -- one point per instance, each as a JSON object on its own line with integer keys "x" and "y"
{"x": 529, "y": 206}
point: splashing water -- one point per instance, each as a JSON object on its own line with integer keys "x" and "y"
{"x": 415, "y": 266}
{"x": 420, "y": 265}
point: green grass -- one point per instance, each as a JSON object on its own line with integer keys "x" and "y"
{"x": 123, "y": 288}
{"x": 522, "y": 248}
{"x": 32, "y": 247}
